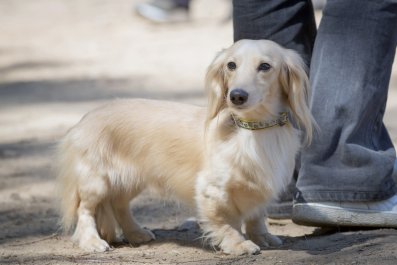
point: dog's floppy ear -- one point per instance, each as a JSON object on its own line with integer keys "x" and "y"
{"x": 215, "y": 84}
{"x": 295, "y": 83}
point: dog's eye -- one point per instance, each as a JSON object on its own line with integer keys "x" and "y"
{"x": 231, "y": 66}
{"x": 264, "y": 67}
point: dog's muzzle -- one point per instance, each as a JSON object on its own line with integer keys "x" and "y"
{"x": 238, "y": 96}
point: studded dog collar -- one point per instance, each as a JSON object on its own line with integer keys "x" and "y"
{"x": 259, "y": 125}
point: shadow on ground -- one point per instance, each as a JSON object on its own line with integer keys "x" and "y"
{"x": 80, "y": 90}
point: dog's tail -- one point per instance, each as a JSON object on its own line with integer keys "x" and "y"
{"x": 67, "y": 189}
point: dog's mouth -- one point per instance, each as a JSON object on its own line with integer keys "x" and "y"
{"x": 250, "y": 110}
{"x": 246, "y": 107}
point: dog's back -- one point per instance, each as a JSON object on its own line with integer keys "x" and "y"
{"x": 121, "y": 149}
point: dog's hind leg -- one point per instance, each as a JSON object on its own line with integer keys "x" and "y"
{"x": 256, "y": 230}
{"x": 91, "y": 194}
{"x": 132, "y": 231}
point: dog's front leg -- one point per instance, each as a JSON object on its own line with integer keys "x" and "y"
{"x": 256, "y": 230}
{"x": 221, "y": 221}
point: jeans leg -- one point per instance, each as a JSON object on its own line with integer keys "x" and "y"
{"x": 290, "y": 23}
{"x": 352, "y": 157}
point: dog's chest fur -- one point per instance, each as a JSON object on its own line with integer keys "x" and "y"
{"x": 253, "y": 166}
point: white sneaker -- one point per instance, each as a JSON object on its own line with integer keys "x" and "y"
{"x": 369, "y": 214}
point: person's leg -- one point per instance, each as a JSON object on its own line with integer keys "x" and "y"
{"x": 351, "y": 158}
{"x": 289, "y": 23}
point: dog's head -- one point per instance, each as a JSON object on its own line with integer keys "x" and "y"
{"x": 256, "y": 79}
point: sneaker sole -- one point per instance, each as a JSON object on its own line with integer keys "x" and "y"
{"x": 315, "y": 214}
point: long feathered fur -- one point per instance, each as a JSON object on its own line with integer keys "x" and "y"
{"x": 196, "y": 154}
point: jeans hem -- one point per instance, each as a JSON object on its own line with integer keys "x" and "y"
{"x": 344, "y": 196}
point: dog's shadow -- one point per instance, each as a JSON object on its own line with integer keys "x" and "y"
{"x": 327, "y": 240}
{"x": 188, "y": 234}
{"x": 321, "y": 242}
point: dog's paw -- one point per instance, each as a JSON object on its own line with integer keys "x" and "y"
{"x": 246, "y": 247}
{"x": 140, "y": 236}
{"x": 94, "y": 244}
{"x": 265, "y": 240}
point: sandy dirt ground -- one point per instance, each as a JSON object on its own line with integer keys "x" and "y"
{"x": 61, "y": 58}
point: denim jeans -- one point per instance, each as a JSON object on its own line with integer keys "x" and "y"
{"x": 350, "y": 56}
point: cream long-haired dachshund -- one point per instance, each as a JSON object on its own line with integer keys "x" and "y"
{"x": 228, "y": 160}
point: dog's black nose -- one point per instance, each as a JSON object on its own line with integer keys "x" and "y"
{"x": 238, "y": 96}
